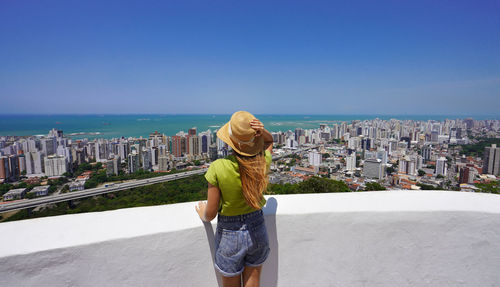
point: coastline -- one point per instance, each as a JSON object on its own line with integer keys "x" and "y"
{"x": 115, "y": 126}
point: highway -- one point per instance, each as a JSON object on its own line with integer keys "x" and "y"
{"x": 110, "y": 187}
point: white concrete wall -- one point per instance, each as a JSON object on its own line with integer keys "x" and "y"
{"x": 403, "y": 238}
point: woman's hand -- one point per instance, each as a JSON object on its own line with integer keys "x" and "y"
{"x": 200, "y": 208}
{"x": 258, "y": 126}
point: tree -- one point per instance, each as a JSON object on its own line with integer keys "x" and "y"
{"x": 421, "y": 172}
{"x": 390, "y": 170}
{"x": 321, "y": 185}
{"x": 424, "y": 186}
{"x": 22, "y": 185}
{"x": 489, "y": 187}
{"x": 439, "y": 176}
{"x": 67, "y": 174}
{"x": 371, "y": 186}
{"x": 65, "y": 188}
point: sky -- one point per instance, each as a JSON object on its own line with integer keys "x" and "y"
{"x": 267, "y": 57}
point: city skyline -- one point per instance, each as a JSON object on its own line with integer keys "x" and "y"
{"x": 274, "y": 57}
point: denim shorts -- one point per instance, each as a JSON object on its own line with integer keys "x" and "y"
{"x": 240, "y": 241}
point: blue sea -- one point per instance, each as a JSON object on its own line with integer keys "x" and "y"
{"x": 115, "y": 126}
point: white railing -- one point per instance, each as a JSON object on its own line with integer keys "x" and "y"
{"x": 391, "y": 238}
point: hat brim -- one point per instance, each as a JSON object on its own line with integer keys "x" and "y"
{"x": 245, "y": 150}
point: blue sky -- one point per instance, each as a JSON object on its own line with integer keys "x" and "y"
{"x": 281, "y": 57}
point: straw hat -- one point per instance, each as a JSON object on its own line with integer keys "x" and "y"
{"x": 240, "y": 136}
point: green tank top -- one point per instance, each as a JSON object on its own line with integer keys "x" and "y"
{"x": 225, "y": 174}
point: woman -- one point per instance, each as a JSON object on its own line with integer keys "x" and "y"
{"x": 235, "y": 187}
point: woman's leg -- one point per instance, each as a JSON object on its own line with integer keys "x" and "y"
{"x": 251, "y": 276}
{"x": 231, "y": 281}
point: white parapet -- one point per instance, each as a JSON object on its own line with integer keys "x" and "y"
{"x": 391, "y": 238}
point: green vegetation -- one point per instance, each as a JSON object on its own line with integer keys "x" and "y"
{"x": 390, "y": 170}
{"x": 4, "y": 187}
{"x": 183, "y": 190}
{"x": 193, "y": 188}
{"x": 100, "y": 176}
{"x": 188, "y": 189}
{"x": 477, "y": 149}
{"x": 490, "y": 187}
{"x": 87, "y": 166}
{"x": 292, "y": 162}
{"x": 421, "y": 172}
{"x": 312, "y": 185}
{"x": 424, "y": 186}
{"x": 336, "y": 141}
{"x": 372, "y": 186}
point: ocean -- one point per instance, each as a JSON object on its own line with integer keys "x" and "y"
{"x": 115, "y": 126}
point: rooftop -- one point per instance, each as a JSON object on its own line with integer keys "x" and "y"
{"x": 390, "y": 238}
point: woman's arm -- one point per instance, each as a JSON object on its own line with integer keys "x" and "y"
{"x": 258, "y": 126}
{"x": 207, "y": 211}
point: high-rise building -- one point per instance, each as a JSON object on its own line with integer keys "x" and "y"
{"x": 299, "y": 132}
{"x": 464, "y": 175}
{"x": 48, "y": 146}
{"x": 314, "y": 158}
{"x": 123, "y": 149}
{"x": 351, "y": 162}
{"x": 194, "y": 145}
{"x": 34, "y": 163}
{"x": 192, "y": 131}
{"x": 426, "y": 153}
{"x": 101, "y": 151}
{"x": 382, "y": 155}
{"x": 133, "y": 162}
{"x": 491, "y": 160}
{"x": 9, "y": 168}
{"x": 469, "y": 123}
{"x": 163, "y": 163}
{"x": 441, "y": 166}
{"x": 146, "y": 159}
{"x": 22, "y": 163}
{"x": 155, "y": 139}
{"x": 4, "y": 168}
{"x": 55, "y": 165}
{"x": 408, "y": 165}
{"x": 434, "y": 136}
{"x": 373, "y": 168}
{"x": 154, "y": 155}
{"x": 113, "y": 165}
{"x": 177, "y": 146}
{"x": 366, "y": 143}
{"x": 54, "y": 133}
{"x": 212, "y": 152}
{"x": 205, "y": 142}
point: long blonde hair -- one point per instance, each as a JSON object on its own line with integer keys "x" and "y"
{"x": 253, "y": 174}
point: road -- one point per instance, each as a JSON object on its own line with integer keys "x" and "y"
{"x": 55, "y": 198}
{"x": 113, "y": 187}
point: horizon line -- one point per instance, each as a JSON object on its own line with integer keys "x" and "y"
{"x": 225, "y": 114}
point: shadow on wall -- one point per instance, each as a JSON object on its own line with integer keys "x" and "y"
{"x": 269, "y": 276}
